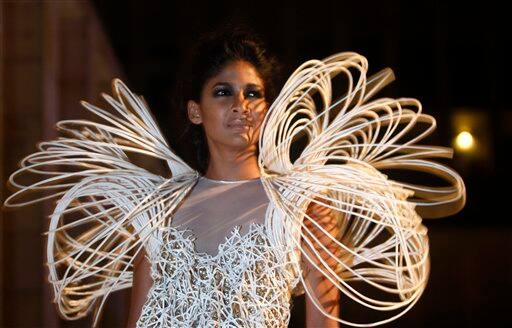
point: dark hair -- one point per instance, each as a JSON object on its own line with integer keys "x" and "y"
{"x": 208, "y": 57}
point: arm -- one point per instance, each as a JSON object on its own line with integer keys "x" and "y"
{"x": 142, "y": 282}
{"x": 328, "y": 294}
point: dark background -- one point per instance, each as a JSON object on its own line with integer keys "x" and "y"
{"x": 451, "y": 56}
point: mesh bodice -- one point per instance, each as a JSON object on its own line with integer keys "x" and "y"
{"x": 214, "y": 265}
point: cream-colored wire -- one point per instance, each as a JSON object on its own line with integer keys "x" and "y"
{"x": 92, "y": 164}
{"x": 356, "y": 120}
{"x": 341, "y": 245}
{"x": 126, "y": 203}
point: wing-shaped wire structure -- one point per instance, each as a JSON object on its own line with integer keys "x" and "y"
{"x": 348, "y": 148}
{"x": 106, "y": 206}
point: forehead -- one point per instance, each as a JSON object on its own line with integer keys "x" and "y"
{"x": 239, "y": 73}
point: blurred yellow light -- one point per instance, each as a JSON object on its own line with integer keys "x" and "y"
{"x": 464, "y": 141}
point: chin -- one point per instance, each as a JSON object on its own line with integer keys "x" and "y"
{"x": 242, "y": 142}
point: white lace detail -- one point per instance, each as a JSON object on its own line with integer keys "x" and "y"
{"x": 247, "y": 283}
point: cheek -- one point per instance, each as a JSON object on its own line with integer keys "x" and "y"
{"x": 259, "y": 106}
{"x": 259, "y": 115}
{"x": 213, "y": 123}
{"x": 214, "y": 120}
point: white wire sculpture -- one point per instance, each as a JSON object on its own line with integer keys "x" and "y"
{"x": 108, "y": 208}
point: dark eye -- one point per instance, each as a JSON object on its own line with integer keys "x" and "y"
{"x": 254, "y": 94}
{"x": 222, "y": 92}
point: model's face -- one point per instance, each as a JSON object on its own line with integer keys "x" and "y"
{"x": 232, "y": 107}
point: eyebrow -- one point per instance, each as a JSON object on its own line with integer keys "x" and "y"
{"x": 229, "y": 84}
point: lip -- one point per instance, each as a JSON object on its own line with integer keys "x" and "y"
{"x": 240, "y": 127}
{"x": 238, "y": 124}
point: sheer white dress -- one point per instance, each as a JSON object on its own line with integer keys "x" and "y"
{"x": 214, "y": 266}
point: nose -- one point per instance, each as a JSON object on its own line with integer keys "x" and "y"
{"x": 240, "y": 104}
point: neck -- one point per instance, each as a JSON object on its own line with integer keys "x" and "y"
{"x": 232, "y": 165}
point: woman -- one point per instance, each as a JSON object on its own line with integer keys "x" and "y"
{"x": 236, "y": 76}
